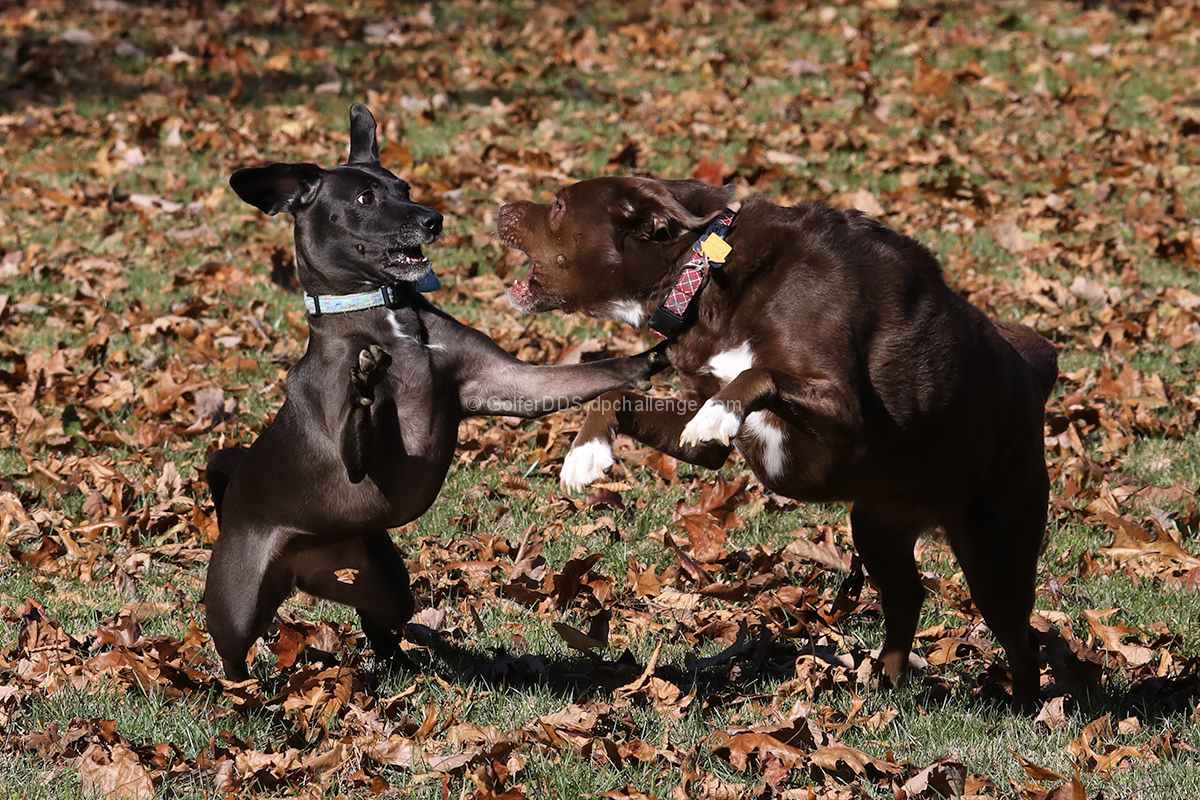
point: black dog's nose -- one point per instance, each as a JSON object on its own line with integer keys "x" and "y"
{"x": 432, "y": 223}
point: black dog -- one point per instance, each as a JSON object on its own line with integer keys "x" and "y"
{"x": 367, "y": 433}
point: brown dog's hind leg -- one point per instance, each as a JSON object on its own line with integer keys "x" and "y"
{"x": 245, "y": 585}
{"x": 997, "y": 547}
{"x": 885, "y": 545}
{"x": 368, "y": 574}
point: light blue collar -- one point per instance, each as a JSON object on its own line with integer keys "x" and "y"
{"x": 383, "y": 296}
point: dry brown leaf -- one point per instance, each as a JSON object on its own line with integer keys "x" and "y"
{"x": 944, "y": 778}
{"x": 576, "y": 639}
{"x": 1052, "y": 714}
{"x": 115, "y": 773}
{"x": 1008, "y": 234}
{"x": 1069, "y": 791}
{"x": 929, "y": 80}
{"x": 862, "y": 200}
{"x": 1035, "y": 772}
{"x": 835, "y": 760}
{"x": 1111, "y": 638}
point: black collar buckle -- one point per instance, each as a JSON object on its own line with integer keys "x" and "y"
{"x": 391, "y": 297}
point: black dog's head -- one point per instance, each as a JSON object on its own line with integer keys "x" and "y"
{"x": 356, "y": 228}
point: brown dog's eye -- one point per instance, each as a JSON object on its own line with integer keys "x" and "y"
{"x": 366, "y": 198}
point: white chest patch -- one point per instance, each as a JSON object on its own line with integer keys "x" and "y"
{"x": 772, "y": 438}
{"x": 626, "y": 311}
{"x": 396, "y": 329}
{"x": 728, "y": 364}
{"x": 401, "y": 336}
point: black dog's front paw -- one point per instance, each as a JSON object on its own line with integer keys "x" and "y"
{"x": 373, "y": 363}
{"x": 656, "y": 361}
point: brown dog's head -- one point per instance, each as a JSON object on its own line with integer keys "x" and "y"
{"x": 605, "y": 243}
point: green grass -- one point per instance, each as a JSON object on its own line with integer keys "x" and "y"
{"x": 517, "y": 97}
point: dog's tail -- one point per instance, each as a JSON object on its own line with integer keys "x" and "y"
{"x": 219, "y": 471}
{"x": 1038, "y": 352}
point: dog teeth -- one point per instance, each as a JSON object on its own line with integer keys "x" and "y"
{"x": 405, "y": 259}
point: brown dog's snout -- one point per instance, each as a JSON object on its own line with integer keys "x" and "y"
{"x": 509, "y": 218}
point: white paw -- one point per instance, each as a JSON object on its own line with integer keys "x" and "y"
{"x": 712, "y": 422}
{"x": 586, "y": 463}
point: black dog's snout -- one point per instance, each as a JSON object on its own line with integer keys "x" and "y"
{"x": 432, "y": 224}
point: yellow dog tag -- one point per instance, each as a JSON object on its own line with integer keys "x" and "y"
{"x": 715, "y": 248}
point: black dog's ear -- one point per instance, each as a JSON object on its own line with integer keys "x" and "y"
{"x": 650, "y": 211}
{"x": 278, "y": 187}
{"x": 364, "y": 147}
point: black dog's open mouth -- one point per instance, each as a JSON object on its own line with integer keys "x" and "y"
{"x": 406, "y": 257}
{"x": 410, "y": 262}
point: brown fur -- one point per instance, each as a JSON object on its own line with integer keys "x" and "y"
{"x": 881, "y": 385}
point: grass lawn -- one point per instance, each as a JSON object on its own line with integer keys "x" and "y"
{"x": 1048, "y": 153}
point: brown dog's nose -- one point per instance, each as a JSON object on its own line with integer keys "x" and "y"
{"x": 508, "y": 220}
{"x": 508, "y": 213}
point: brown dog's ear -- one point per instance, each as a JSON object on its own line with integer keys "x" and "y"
{"x": 651, "y": 210}
{"x": 278, "y": 187}
{"x": 700, "y": 198}
{"x": 364, "y": 146}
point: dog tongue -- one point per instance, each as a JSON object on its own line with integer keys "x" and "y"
{"x": 520, "y": 293}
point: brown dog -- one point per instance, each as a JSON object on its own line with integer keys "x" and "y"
{"x": 830, "y": 351}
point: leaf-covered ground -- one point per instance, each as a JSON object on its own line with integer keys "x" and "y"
{"x": 676, "y": 633}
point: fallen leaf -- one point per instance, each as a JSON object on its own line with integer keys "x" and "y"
{"x": 576, "y": 639}
{"x": 943, "y": 778}
{"x": 115, "y": 773}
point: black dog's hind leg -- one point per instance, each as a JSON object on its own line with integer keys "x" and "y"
{"x": 219, "y": 471}
{"x": 365, "y": 375}
{"x": 249, "y": 575}
{"x": 368, "y": 574}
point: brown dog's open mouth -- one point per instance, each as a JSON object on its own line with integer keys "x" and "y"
{"x": 520, "y": 294}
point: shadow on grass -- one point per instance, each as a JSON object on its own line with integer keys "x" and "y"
{"x": 121, "y": 65}
{"x": 745, "y": 666}
{"x": 754, "y": 665}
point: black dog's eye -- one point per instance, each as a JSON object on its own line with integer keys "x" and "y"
{"x": 366, "y": 198}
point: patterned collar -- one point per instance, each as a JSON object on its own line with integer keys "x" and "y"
{"x": 710, "y": 250}
{"x": 383, "y": 296}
